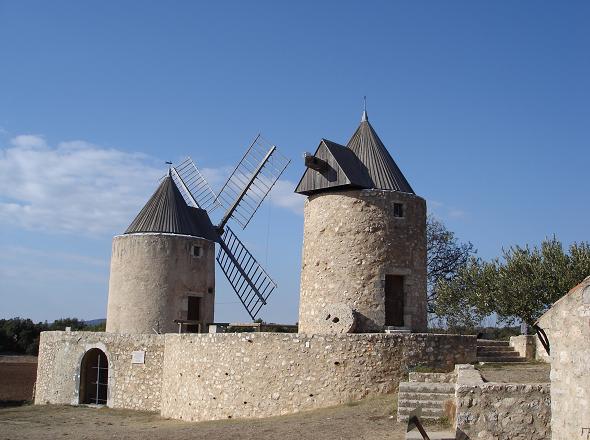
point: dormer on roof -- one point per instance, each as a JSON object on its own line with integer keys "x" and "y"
{"x": 332, "y": 166}
{"x": 364, "y": 163}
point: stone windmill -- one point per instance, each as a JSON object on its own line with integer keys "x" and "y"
{"x": 364, "y": 246}
{"x": 162, "y": 267}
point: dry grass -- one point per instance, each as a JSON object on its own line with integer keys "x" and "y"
{"x": 534, "y": 372}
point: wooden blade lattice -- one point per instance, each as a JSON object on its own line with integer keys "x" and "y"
{"x": 192, "y": 185}
{"x": 251, "y": 181}
{"x": 247, "y": 277}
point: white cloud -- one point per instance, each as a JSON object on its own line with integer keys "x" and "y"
{"x": 81, "y": 188}
{"x": 282, "y": 195}
{"x": 74, "y": 187}
{"x": 444, "y": 211}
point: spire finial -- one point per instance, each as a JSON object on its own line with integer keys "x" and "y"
{"x": 365, "y": 118}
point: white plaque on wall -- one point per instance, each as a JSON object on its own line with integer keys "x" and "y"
{"x": 138, "y": 357}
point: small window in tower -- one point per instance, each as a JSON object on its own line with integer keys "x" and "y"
{"x": 196, "y": 251}
{"x": 398, "y": 210}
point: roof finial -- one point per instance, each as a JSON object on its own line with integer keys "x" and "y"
{"x": 364, "y": 118}
{"x": 169, "y": 168}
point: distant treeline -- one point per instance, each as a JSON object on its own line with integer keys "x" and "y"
{"x": 21, "y": 336}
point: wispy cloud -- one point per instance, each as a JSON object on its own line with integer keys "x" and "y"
{"x": 444, "y": 211}
{"x": 82, "y": 188}
{"x": 73, "y": 187}
{"x": 282, "y": 195}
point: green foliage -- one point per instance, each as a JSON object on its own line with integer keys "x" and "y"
{"x": 18, "y": 335}
{"x": 74, "y": 323}
{"x": 21, "y": 336}
{"x": 101, "y": 327}
{"x": 518, "y": 287}
{"x": 445, "y": 256}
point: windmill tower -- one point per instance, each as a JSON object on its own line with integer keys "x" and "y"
{"x": 162, "y": 267}
{"x": 364, "y": 245}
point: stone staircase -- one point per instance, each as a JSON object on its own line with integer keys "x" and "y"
{"x": 496, "y": 351}
{"x": 429, "y": 396}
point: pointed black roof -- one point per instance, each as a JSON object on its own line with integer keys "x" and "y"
{"x": 382, "y": 169}
{"x": 167, "y": 212}
{"x": 364, "y": 163}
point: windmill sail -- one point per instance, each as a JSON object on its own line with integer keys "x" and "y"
{"x": 192, "y": 185}
{"x": 251, "y": 181}
{"x": 247, "y": 277}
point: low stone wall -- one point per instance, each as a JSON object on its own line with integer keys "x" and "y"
{"x": 433, "y": 377}
{"x": 220, "y": 376}
{"x": 525, "y": 345}
{"x": 489, "y": 411}
{"x": 530, "y": 347}
{"x": 242, "y": 375}
{"x": 133, "y": 386}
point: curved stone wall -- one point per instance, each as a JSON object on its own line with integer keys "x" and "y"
{"x": 250, "y": 375}
{"x": 242, "y": 375}
{"x": 351, "y": 241}
{"x": 152, "y": 276}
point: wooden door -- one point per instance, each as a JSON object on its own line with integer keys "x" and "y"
{"x": 394, "y": 300}
{"x": 193, "y": 313}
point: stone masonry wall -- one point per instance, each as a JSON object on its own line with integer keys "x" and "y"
{"x": 525, "y": 346}
{"x": 351, "y": 240}
{"x": 567, "y": 324}
{"x": 249, "y": 375}
{"x": 132, "y": 386}
{"x": 491, "y": 411}
{"x": 152, "y": 275}
{"x": 241, "y": 375}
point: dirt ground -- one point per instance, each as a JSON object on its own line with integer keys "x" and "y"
{"x": 17, "y": 378}
{"x": 370, "y": 419}
{"x": 515, "y": 373}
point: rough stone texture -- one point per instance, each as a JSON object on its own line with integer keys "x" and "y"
{"x": 567, "y": 324}
{"x": 210, "y": 376}
{"x": 351, "y": 241}
{"x": 152, "y": 276}
{"x": 490, "y": 411}
{"x": 219, "y": 376}
{"x": 338, "y": 318}
{"x": 525, "y": 345}
{"x": 132, "y": 386}
{"x": 432, "y": 377}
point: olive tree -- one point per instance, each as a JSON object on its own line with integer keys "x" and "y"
{"x": 519, "y": 286}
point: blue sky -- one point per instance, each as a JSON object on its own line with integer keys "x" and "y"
{"x": 485, "y": 106}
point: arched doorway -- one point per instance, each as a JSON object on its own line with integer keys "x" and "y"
{"x": 94, "y": 377}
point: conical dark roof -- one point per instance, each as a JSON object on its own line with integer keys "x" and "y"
{"x": 382, "y": 169}
{"x": 166, "y": 211}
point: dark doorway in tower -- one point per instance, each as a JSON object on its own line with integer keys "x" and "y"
{"x": 94, "y": 377}
{"x": 193, "y": 313}
{"x": 394, "y": 300}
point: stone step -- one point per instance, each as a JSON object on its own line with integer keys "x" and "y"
{"x": 393, "y": 329}
{"x": 486, "y": 348}
{"x": 435, "y": 435}
{"x": 422, "y": 403}
{"x": 440, "y": 397}
{"x": 426, "y": 412}
{"x": 427, "y": 387}
{"x": 405, "y": 417}
{"x": 487, "y": 342}
{"x": 502, "y": 360}
{"x": 506, "y": 354}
